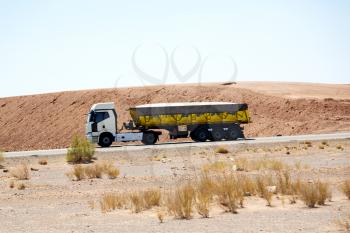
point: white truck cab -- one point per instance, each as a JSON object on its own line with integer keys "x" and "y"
{"x": 101, "y": 126}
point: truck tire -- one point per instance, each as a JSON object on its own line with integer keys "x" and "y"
{"x": 192, "y": 136}
{"x": 149, "y": 138}
{"x": 234, "y": 132}
{"x": 105, "y": 140}
{"x": 217, "y": 134}
{"x": 201, "y": 134}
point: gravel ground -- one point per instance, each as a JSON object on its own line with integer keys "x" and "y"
{"x": 53, "y": 203}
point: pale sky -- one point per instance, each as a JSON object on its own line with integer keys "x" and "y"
{"x": 48, "y": 46}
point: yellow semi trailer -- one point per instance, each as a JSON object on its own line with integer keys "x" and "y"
{"x": 201, "y": 121}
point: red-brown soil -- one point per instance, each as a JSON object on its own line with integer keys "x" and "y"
{"x": 49, "y": 120}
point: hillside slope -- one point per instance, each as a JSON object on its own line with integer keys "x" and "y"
{"x": 49, "y": 120}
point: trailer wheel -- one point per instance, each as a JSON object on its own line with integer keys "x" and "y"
{"x": 234, "y": 132}
{"x": 105, "y": 140}
{"x": 217, "y": 134}
{"x": 149, "y": 138}
{"x": 201, "y": 134}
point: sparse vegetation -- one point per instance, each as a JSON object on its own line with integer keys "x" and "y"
{"x": 11, "y": 184}
{"x": 137, "y": 203}
{"x": 204, "y": 194}
{"x": 112, "y": 201}
{"x": 180, "y": 202}
{"x": 93, "y": 171}
{"x": 284, "y": 183}
{"x": 262, "y": 183}
{"x": 151, "y": 198}
{"x": 228, "y": 192}
{"x": 345, "y": 188}
{"x": 324, "y": 192}
{"x": 217, "y": 166}
{"x": 261, "y": 164}
{"x": 78, "y": 173}
{"x": 339, "y": 147}
{"x": 111, "y": 171}
{"x": 161, "y": 215}
{"x": 324, "y": 143}
{"x": 21, "y": 172}
{"x": 21, "y": 186}
{"x": 42, "y": 161}
{"x": 80, "y": 150}
{"x": 313, "y": 193}
{"x": 221, "y": 150}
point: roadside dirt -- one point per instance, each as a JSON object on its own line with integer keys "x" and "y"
{"x": 51, "y": 202}
{"x": 48, "y": 121}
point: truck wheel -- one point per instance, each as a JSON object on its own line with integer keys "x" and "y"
{"x": 193, "y": 136}
{"x": 201, "y": 134}
{"x": 149, "y": 138}
{"x": 105, "y": 140}
{"x": 234, "y": 132}
{"x": 217, "y": 134}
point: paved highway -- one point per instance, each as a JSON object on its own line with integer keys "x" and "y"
{"x": 130, "y": 148}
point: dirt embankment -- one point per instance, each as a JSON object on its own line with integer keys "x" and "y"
{"x": 49, "y": 120}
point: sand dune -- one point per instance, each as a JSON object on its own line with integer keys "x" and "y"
{"x": 49, "y": 120}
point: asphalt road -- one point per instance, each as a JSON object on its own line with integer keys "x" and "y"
{"x": 130, "y": 148}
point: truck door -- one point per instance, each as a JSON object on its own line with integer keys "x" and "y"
{"x": 105, "y": 121}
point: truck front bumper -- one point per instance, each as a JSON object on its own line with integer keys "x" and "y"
{"x": 92, "y": 139}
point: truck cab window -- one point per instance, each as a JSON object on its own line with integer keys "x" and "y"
{"x": 100, "y": 116}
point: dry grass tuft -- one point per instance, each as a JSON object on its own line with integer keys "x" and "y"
{"x": 42, "y": 161}
{"x": 345, "y": 188}
{"x": 324, "y": 192}
{"x": 91, "y": 204}
{"x": 137, "y": 203}
{"x": 21, "y": 172}
{"x": 228, "y": 192}
{"x": 111, "y": 171}
{"x": 309, "y": 194}
{"x": 217, "y": 166}
{"x": 262, "y": 184}
{"x": 161, "y": 215}
{"x": 204, "y": 194}
{"x": 221, "y": 150}
{"x": 242, "y": 164}
{"x": 313, "y": 193}
{"x": 340, "y": 147}
{"x": 11, "y": 184}
{"x": 247, "y": 185}
{"x": 151, "y": 198}
{"x": 308, "y": 143}
{"x": 78, "y": 173}
{"x": 80, "y": 150}
{"x": 284, "y": 183}
{"x": 261, "y": 164}
{"x": 112, "y": 201}
{"x": 21, "y": 186}
{"x": 180, "y": 202}
{"x": 93, "y": 171}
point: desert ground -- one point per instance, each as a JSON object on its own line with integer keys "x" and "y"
{"x": 49, "y": 121}
{"x": 52, "y": 202}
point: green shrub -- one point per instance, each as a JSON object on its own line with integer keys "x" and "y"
{"x": 80, "y": 150}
